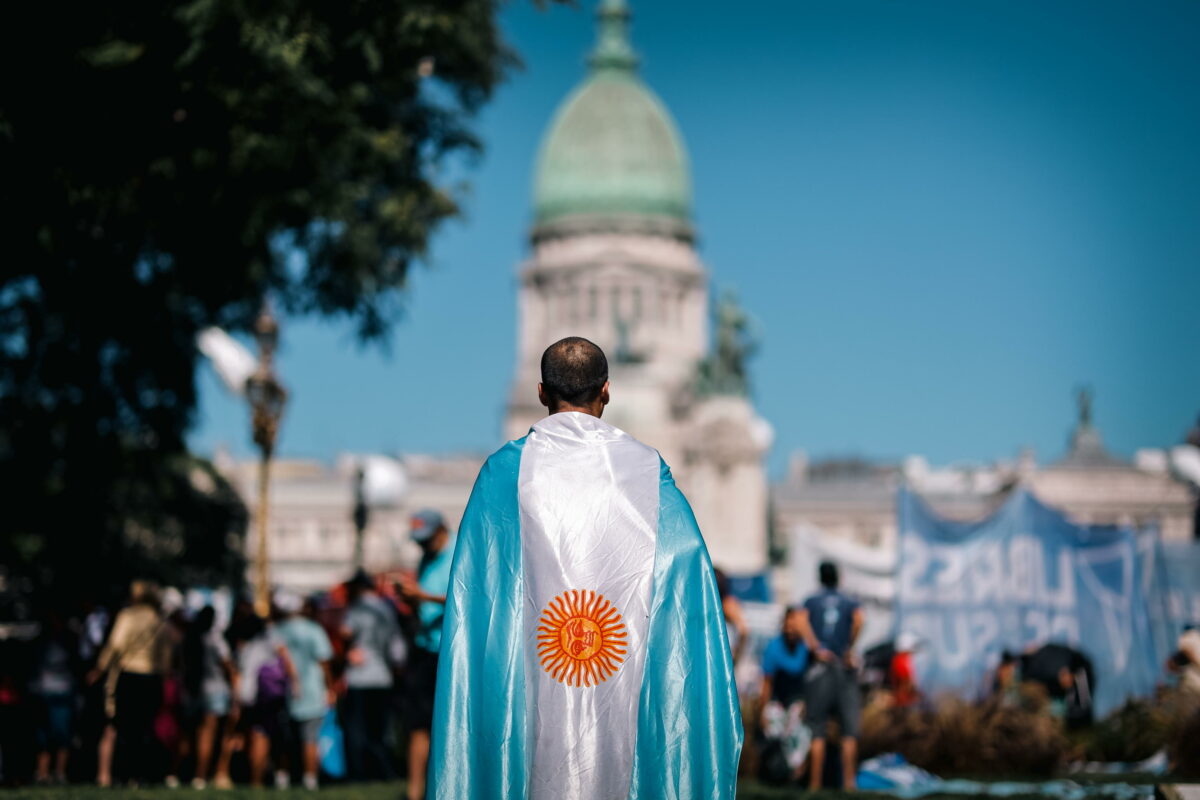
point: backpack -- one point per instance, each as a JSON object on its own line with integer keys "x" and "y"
{"x": 273, "y": 681}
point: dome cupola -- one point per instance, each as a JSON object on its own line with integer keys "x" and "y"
{"x": 612, "y": 159}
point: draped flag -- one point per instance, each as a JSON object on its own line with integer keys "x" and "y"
{"x": 584, "y": 654}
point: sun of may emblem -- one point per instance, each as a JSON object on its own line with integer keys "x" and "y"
{"x": 581, "y": 639}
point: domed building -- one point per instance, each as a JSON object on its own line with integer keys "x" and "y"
{"x": 613, "y": 259}
{"x": 612, "y": 158}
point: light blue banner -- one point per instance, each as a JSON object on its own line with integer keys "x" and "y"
{"x": 1023, "y": 577}
{"x": 1172, "y": 588}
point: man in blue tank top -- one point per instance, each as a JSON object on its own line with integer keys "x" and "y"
{"x": 831, "y": 622}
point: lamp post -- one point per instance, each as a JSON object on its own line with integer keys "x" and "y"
{"x": 267, "y": 398}
{"x": 362, "y": 514}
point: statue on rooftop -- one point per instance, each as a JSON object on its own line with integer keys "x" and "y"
{"x": 1084, "y": 399}
{"x": 724, "y": 371}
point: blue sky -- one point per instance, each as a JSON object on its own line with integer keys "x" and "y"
{"x": 945, "y": 216}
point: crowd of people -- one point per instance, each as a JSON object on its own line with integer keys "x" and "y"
{"x": 163, "y": 691}
{"x": 811, "y": 676}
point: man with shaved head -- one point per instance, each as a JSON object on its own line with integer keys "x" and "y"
{"x": 574, "y": 377}
{"x": 584, "y": 653}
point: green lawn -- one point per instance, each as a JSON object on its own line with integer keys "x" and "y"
{"x": 747, "y": 790}
{"x": 377, "y": 791}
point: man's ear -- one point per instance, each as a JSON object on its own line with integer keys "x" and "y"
{"x": 542, "y": 396}
{"x": 604, "y": 394}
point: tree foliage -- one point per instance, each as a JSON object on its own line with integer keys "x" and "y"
{"x": 169, "y": 164}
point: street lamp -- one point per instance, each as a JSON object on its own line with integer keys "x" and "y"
{"x": 267, "y": 398}
{"x": 362, "y": 513}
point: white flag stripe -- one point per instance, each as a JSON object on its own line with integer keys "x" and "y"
{"x": 588, "y": 496}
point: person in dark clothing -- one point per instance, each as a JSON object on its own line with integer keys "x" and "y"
{"x": 1069, "y": 679}
{"x": 735, "y": 619}
{"x": 427, "y": 594}
{"x": 831, "y": 622}
{"x": 209, "y": 676}
{"x": 371, "y": 630}
{"x": 55, "y": 682}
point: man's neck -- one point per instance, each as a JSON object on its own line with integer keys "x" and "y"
{"x": 579, "y": 409}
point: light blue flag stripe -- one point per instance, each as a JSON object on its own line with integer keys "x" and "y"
{"x": 689, "y": 724}
{"x": 478, "y": 747}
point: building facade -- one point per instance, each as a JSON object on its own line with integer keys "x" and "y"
{"x": 852, "y": 502}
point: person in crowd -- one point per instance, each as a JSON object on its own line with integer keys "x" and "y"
{"x": 1006, "y": 681}
{"x": 267, "y": 676}
{"x": 210, "y": 679}
{"x": 784, "y": 662}
{"x": 1008, "y": 674}
{"x": 1072, "y": 701}
{"x": 902, "y": 675}
{"x": 132, "y": 664}
{"x": 13, "y": 722}
{"x": 94, "y": 631}
{"x": 244, "y": 625}
{"x": 427, "y": 594}
{"x": 93, "y": 726}
{"x": 54, "y": 686}
{"x": 310, "y": 652}
{"x": 1185, "y": 662}
{"x": 370, "y": 630}
{"x": 172, "y": 722}
{"x": 1066, "y": 674}
{"x": 735, "y": 620}
{"x": 831, "y": 622}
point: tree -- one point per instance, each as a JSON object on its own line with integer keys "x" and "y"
{"x": 167, "y": 165}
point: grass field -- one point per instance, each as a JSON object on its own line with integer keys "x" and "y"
{"x": 378, "y": 791}
{"x": 747, "y": 790}
{"x": 383, "y": 791}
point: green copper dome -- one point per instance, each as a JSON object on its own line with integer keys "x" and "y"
{"x": 612, "y": 157}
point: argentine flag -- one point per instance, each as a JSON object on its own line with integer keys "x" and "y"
{"x": 584, "y": 654}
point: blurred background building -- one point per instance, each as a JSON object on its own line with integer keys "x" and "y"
{"x": 613, "y": 258}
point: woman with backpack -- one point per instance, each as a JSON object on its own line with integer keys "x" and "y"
{"x": 268, "y": 676}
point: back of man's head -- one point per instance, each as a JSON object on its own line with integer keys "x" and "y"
{"x": 574, "y": 372}
{"x": 828, "y": 573}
